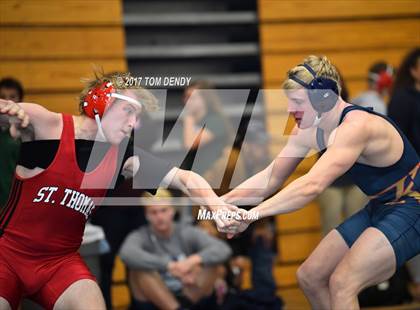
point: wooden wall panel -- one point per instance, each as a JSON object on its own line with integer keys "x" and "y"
{"x": 57, "y": 102}
{"x": 59, "y": 75}
{"x": 307, "y": 218}
{"x": 121, "y": 297}
{"x": 354, "y": 65}
{"x": 298, "y": 246}
{"x": 319, "y": 37}
{"x": 61, "y": 43}
{"x": 298, "y": 10}
{"x": 285, "y": 275}
{"x": 50, "y": 45}
{"x": 294, "y": 299}
{"x": 277, "y": 124}
{"x": 74, "y": 12}
{"x": 275, "y": 99}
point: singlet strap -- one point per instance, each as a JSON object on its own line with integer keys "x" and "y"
{"x": 351, "y": 108}
{"x": 66, "y": 153}
{"x": 68, "y": 127}
{"x": 320, "y": 139}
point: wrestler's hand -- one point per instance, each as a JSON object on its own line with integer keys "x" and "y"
{"x": 18, "y": 119}
{"x": 238, "y": 225}
{"x": 225, "y": 215}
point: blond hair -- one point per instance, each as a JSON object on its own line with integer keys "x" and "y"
{"x": 322, "y": 67}
{"x": 148, "y": 100}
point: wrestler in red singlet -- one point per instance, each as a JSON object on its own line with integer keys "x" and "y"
{"x": 44, "y": 224}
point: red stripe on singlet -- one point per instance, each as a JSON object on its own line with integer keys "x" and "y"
{"x": 11, "y": 205}
{"x": 10, "y": 200}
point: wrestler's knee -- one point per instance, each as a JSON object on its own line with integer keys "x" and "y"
{"x": 4, "y": 304}
{"x": 82, "y": 294}
{"x": 342, "y": 285}
{"x": 309, "y": 276}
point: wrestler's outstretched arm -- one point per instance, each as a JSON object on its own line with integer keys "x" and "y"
{"x": 197, "y": 188}
{"x": 349, "y": 142}
{"x": 256, "y": 189}
{"x": 263, "y": 184}
{"x": 39, "y": 119}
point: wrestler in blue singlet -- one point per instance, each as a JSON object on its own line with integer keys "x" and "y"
{"x": 394, "y": 206}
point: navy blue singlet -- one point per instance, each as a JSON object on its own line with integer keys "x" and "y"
{"x": 385, "y": 184}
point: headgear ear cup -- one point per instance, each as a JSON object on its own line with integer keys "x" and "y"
{"x": 322, "y": 91}
{"x": 323, "y": 95}
{"x": 98, "y": 99}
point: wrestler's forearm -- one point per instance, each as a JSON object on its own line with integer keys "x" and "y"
{"x": 293, "y": 197}
{"x": 264, "y": 183}
{"x": 255, "y": 189}
{"x": 249, "y": 192}
{"x": 197, "y": 188}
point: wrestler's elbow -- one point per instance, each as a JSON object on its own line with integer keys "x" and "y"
{"x": 186, "y": 176}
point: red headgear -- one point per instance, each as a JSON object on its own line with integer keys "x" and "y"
{"x": 98, "y": 99}
{"x": 383, "y": 80}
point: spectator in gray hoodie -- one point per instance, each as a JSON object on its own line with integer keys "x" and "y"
{"x": 171, "y": 266}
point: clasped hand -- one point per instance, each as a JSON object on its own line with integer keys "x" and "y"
{"x": 230, "y": 219}
{"x": 18, "y": 119}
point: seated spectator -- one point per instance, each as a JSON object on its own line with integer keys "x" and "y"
{"x": 171, "y": 266}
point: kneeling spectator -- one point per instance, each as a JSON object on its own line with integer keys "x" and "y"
{"x": 171, "y": 266}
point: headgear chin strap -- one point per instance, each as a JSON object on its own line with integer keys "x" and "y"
{"x": 317, "y": 120}
{"x": 99, "y": 99}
